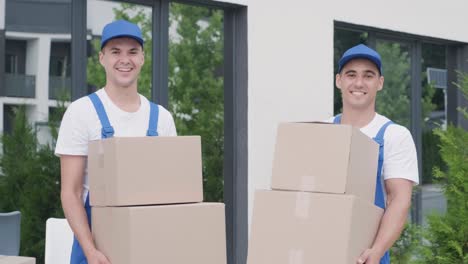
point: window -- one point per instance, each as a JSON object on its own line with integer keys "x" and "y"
{"x": 59, "y": 66}
{"x": 11, "y": 63}
{"x": 139, "y": 14}
{"x": 60, "y": 71}
{"x": 196, "y": 85}
{"x": 434, "y": 115}
{"x": 414, "y": 95}
{"x": 343, "y": 40}
{"x": 393, "y": 101}
{"x": 8, "y": 117}
{"x": 15, "y": 56}
{"x": 230, "y": 74}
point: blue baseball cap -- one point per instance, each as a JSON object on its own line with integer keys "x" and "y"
{"x": 121, "y": 29}
{"x": 360, "y": 51}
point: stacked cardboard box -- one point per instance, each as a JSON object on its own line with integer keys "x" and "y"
{"x": 321, "y": 208}
{"x": 146, "y": 195}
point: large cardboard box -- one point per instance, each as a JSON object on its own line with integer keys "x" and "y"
{"x": 16, "y": 260}
{"x": 175, "y": 234}
{"x": 304, "y": 227}
{"x": 145, "y": 170}
{"x": 326, "y": 158}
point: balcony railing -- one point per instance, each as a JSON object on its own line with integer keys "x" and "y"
{"x": 20, "y": 85}
{"x": 59, "y": 87}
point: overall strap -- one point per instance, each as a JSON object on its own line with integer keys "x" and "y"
{"x": 337, "y": 119}
{"x": 379, "y": 187}
{"x": 77, "y": 255}
{"x": 379, "y": 193}
{"x": 153, "y": 120}
{"x": 379, "y": 190}
{"x": 107, "y": 130}
{"x": 87, "y": 207}
{"x": 381, "y": 133}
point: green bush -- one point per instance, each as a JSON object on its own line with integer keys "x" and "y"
{"x": 29, "y": 183}
{"x": 404, "y": 249}
{"x": 446, "y": 237}
{"x": 430, "y": 155}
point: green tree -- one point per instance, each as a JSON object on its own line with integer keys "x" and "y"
{"x": 447, "y": 235}
{"x": 17, "y": 161}
{"x": 344, "y": 39}
{"x": 430, "y": 155}
{"x": 30, "y": 183}
{"x": 433, "y": 55}
{"x": 393, "y": 100}
{"x": 195, "y": 79}
{"x": 136, "y": 14}
{"x": 196, "y": 87}
{"x": 407, "y": 245}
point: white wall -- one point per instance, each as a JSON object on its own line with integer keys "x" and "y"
{"x": 38, "y": 54}
{"x": 291, "y": 59}
{"x": 440, "y": 19}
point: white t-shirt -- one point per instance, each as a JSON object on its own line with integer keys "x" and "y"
{"x": 400, "y": 158}
{"x": 81, "y": 124}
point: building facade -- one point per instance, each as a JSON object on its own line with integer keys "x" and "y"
{"x": 288, "y": 74}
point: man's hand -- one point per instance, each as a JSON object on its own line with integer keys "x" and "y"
{"x": 96, "y": 257}
{"x": 72, "y": 172}
{"x": 393, "y": 220}
{"x": 369, "y": 256}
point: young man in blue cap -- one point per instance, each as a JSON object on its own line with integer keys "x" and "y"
{"x": 360, "y": 78}
{"x": 115, "y": 110}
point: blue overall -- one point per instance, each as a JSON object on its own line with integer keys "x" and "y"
{"x": 107, "y": 131}
{"x": 379, "y": 193}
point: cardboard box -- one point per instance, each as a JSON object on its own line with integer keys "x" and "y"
{"x": 16, "y": 260}
{"x": 175, "y": 234}
{"x": 326, "y": 158}
{"x": 304, "y": 227}
{"x": 145, "y": 170}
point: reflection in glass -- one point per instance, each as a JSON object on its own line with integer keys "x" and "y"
{"x": 11, "y": 63}
{"x": 196, "y": 85}
{"x": 434, "y": 85}
{"x": 60, "y": 71}
{"x": 343, "y": 40}
{"x": 138, "y": 14}
{"x": 393, "y": 101}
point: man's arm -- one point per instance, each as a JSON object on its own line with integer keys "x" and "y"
{"x": 72, "y": 173}
{"x": 392, "y": 223}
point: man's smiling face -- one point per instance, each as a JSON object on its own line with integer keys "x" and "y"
{"x": 359, "y": 81}
{"x": 122, "y": 59}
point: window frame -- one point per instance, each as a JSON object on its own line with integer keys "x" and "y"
{"x": 455, "y": 51}
{"x": 236, "y": 103}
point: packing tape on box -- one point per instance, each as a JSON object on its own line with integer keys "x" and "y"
{"x": 101, "y": 154}
{"x": 296, "y": 256}
{"x": 302, "y": 205}
{"x": 307, "y": 183}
